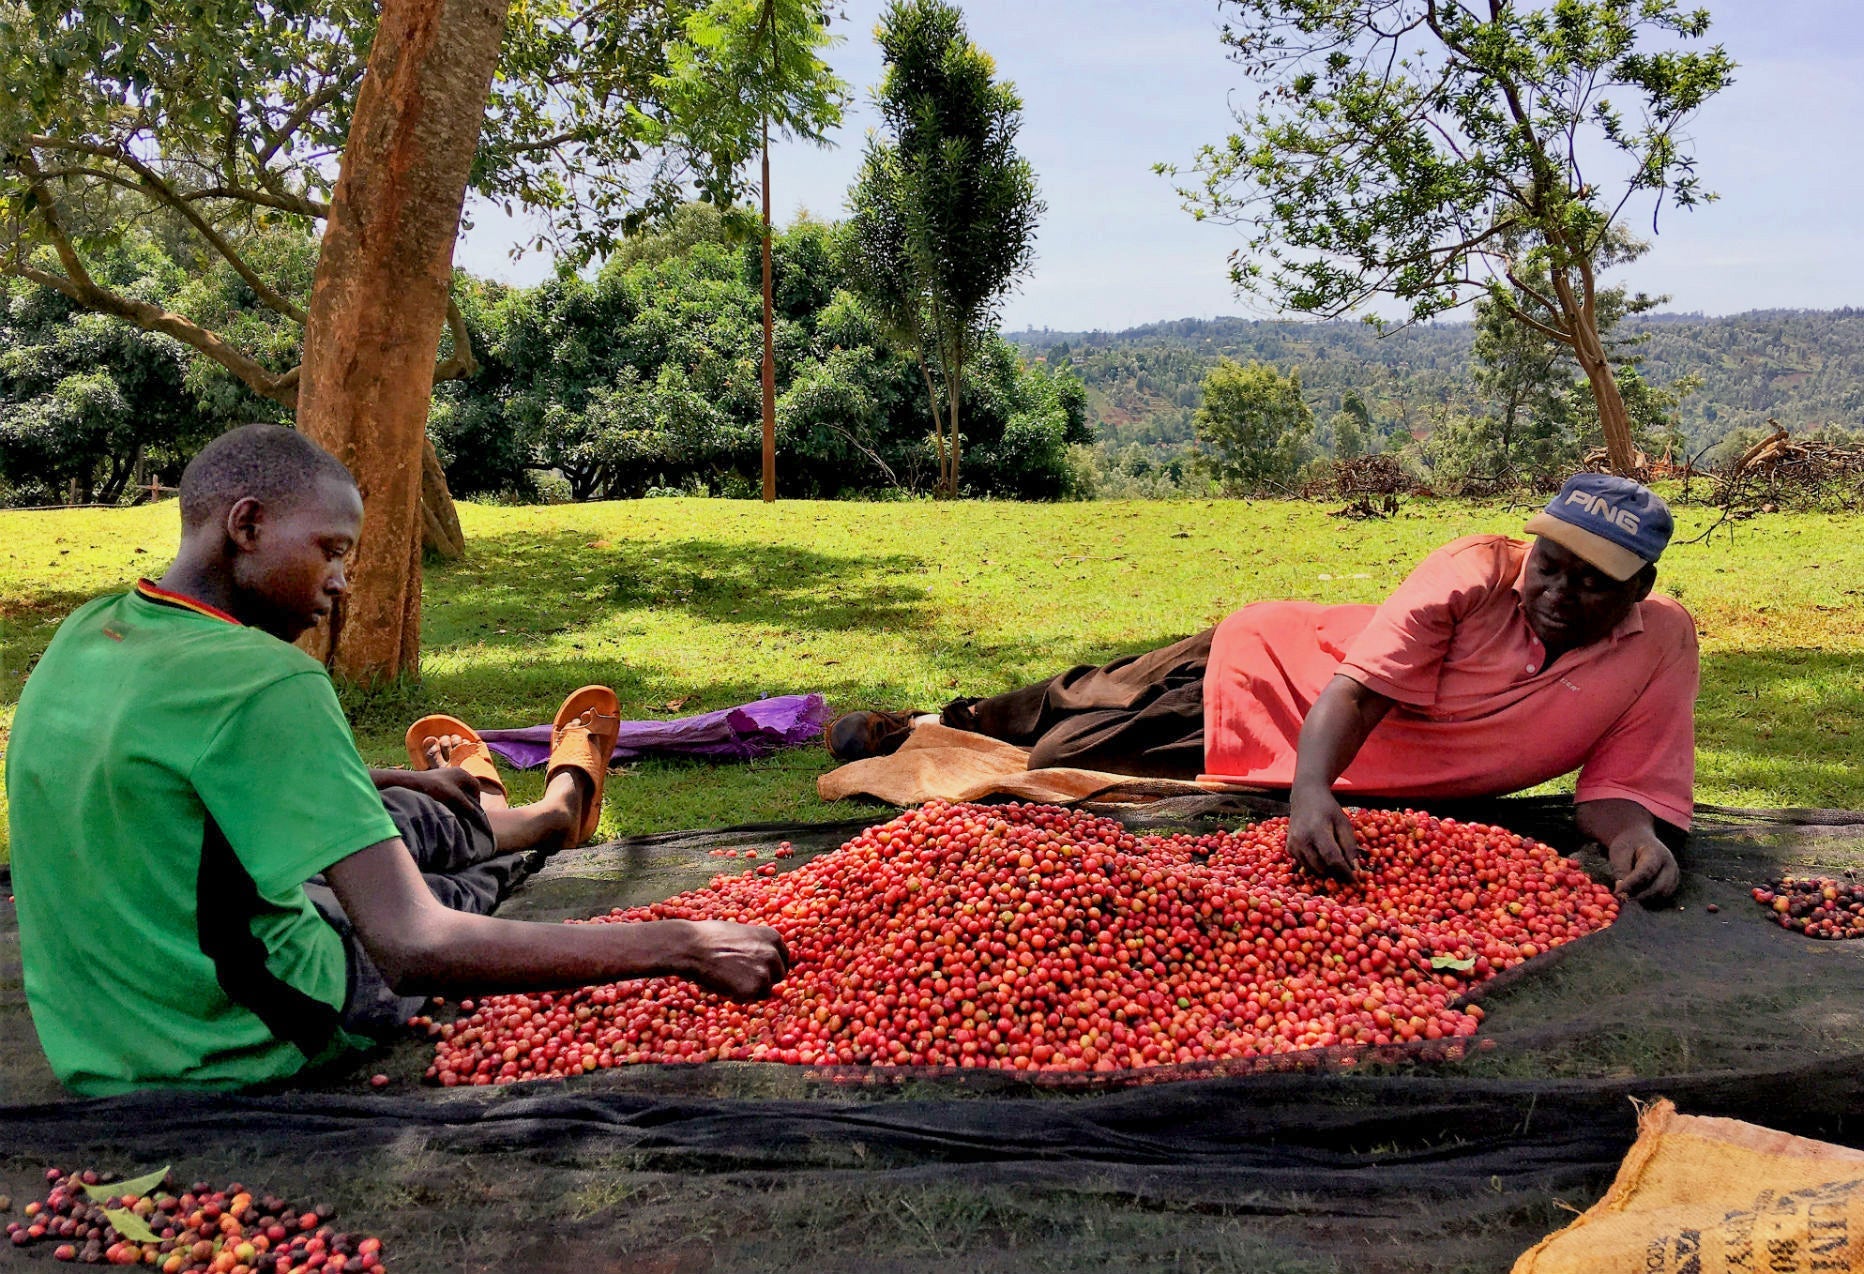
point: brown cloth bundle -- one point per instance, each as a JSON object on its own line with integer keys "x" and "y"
{"x": 939, "y": 763}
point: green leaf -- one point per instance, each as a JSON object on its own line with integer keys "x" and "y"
{"x": 131, "y": 1226}
{"x": 1451, "y": 962}
{"x": 135, "y": 1185}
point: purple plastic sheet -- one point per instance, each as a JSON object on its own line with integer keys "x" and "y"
{"x": 743, "y": 733}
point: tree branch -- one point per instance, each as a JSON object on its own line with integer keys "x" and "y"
{"x": 1552, "y": 333}
{"x": 77, "y": 284}
{"x": 308, "y": 107}
{"x": 1510, "y": 90}
{"x": 281, "y": 389}
{"x": 153, "y": 183}
{"x": 1552, "y": 307}
{"x": 460, "y": 364}
{"x": 244, "y": 194}
{"x": 542, "y": 143}
{"x": 1452, "y": 250}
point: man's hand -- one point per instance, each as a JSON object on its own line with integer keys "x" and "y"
{"x": 1643, "y": 867}
{"x": 1320, "y": 836}
{"x": 450, "y": 785}
{"x": 741, "y": 961}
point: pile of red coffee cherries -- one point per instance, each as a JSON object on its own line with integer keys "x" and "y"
{"x": 202, "y": 1228}
{"x": 1817, "y": 906}
{"x": 1031, "y": 937}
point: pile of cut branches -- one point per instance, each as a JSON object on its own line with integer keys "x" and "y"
{"x": 1781, "y": 471}
{"x": 1372, "y": 485}
{"x": 1598, "y": 460}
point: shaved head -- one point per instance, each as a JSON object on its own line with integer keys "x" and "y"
{"x": 268, "y": 463}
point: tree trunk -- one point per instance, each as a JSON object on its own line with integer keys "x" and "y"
{"x": 938, "y": 424}
{"x": 770, "y": 348}
{"x": 440, "y": 521}
{"x": 1582, "y": 321}
{"x": 1620, "y": 450}
{"x": 380, "y": 299}
{"x": 952, "y": 382}
{"x": 437, "y": 511}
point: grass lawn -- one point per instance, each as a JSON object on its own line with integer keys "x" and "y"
{"x": 709, "y": 603}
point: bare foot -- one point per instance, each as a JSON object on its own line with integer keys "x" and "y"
{"x": 439, "y": 752}
{"x": 549, "y": 823}
{"x": 563, "y": 802}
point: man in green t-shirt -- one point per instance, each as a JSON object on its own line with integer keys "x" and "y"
{"x": 178, "y": 772}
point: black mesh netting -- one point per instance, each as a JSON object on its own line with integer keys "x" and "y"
{"x": 1407, "y": 1160}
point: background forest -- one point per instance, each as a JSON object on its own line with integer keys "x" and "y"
{"x": 643, "y": 379}
{"x": 1729, "y": 376}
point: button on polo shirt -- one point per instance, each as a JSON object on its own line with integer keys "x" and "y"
{"x": 1477, "y": 711}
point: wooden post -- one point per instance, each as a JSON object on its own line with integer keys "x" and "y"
{"x": 770, "y": 347}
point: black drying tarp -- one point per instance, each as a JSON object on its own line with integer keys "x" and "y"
{"x": 1410, "y": 1160}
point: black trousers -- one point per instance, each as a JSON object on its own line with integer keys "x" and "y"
{"x": 460, "y": 862}
{"x": 1141, "y": 714}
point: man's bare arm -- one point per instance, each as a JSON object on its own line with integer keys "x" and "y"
{"x": 422, "y": 947}
{"x": 1642, "y": 865}
{"x": 1319, "y": 835}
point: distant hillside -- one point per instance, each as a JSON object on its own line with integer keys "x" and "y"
{"x": 1800, "y": 367}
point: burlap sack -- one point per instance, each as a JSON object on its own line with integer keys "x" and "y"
{"x": 1717, "y": 1196}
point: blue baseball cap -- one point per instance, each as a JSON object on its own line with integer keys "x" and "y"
{"x": 1618, "y": 525}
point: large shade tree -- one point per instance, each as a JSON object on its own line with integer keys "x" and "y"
{"x": 1430, "y": 152}
{"x": 230, "y": 118}
{"x": 380, "y": 292}
{"x": 944, "y": 209}
{"x": 225, "y": 118}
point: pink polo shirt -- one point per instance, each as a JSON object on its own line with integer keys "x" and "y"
{"x": 1477, "y": 710}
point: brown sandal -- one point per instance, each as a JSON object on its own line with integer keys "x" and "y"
{"x": 583, "y": 738}
{"x": 473, "y": 756}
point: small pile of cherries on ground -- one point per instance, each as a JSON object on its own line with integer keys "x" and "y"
{"x": 1817, "y": 906}
{"x": 200, "y": 1230}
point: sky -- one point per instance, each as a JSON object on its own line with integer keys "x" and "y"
{"x": 1112, "y": 87}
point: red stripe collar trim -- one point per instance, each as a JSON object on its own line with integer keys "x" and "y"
{"x": 181, "y": 601}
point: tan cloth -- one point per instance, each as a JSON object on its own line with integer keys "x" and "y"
{"x": 939, "y": 763}
{"x": 1717, "y": 1196}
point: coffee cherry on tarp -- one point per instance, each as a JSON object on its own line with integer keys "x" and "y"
{"x": 1028, "y": 937}
{"x": 189, "y": 1242}
{"x": 1818, "y": 906}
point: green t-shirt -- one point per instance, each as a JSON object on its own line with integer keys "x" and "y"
{"x": 173, "y": 779}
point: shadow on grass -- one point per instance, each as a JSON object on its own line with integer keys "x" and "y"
{"x": 1782, "y": 726}
{"x": 522, "y": 598}
{"x": 527, "y": 584}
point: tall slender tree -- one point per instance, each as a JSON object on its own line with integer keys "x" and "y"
{"x": 944, "y": 210}
{"x": 753, "y": 64}
{"x": 1437, "y": 151}
{"x": 226, "y": 121}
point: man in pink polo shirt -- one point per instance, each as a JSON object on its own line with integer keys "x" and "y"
{"x": 1497, "y": 665}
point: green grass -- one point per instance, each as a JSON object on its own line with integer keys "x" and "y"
{"x": 712, "y": 602}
